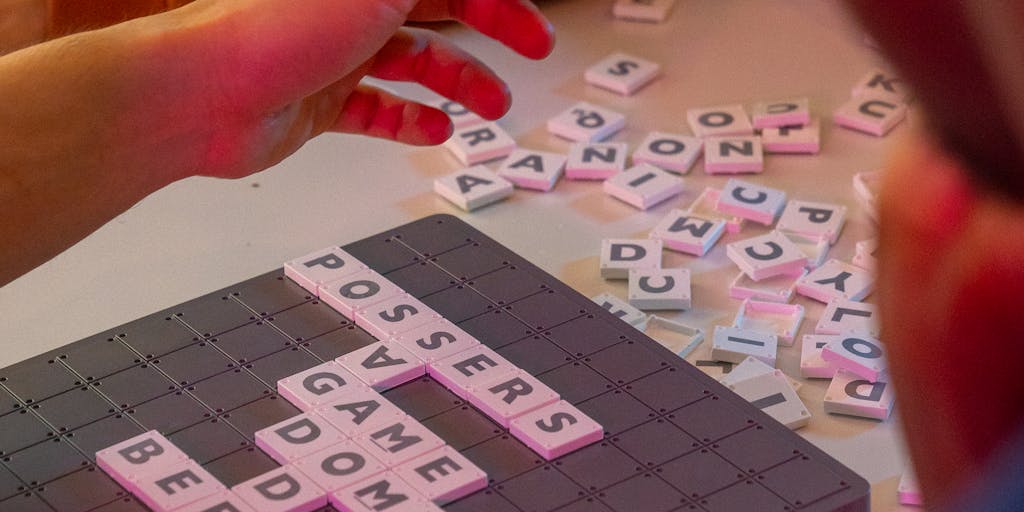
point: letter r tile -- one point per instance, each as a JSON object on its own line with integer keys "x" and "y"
{"x": 479, "y": 143}
{"x": 511, "y": 395}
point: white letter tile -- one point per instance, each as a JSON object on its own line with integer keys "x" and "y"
{"x": 394, "y": 316}
{"x": 473, "y": 187}
{"x": 318, "y": 385}
{"x": 872, "y": 114}
{"x": 356, "y": 291}
{"x": 317, "y": 268}
{"x": 297, "y": 437}
{"x": 669, "y": 151}
{"x": 789, "y": 112}
{"x": 733, "y": 155}
{"x": 535, "y": 170}
{"x": 359, "y": 411}
{"x": 595, "y": 160}
{"x": 470, "y": 367}
{"x": 176, "y": 486}
{"x": 480, "y": 143}
{"x": 619, "y": 256}
{"x": 793, "y": 139}
{"x": 584, "y": 122}
{"x": 836, "y": 280}
{"x": 443, "y": 475}
{"x": 663, "y": 289}
{"x": 643, "y": 186}
{"x": 733, "y": 345}
{"x": 817, "y": 220}
{"x": 621, "y": 309}
{"x": 621, "y": 73}
{"x": 690, "y": 233}
{"x": 723, "y": 120}
{"x": 844, "y": 316}
{"x": 284, "y": 489}
{"x": 751, "y": 201}
{"x": 556, "y": 429}
{"x": 766, "y": 256}
{"x": 511, "y": 395}
{"x": 383, "y": 365}
{"x": 339, "y": 466}
{"x": 853, "y": 396}
{"x": 772, "y": 394}
{"x": 435, "y": 341}
{"x": 861, "y": 355}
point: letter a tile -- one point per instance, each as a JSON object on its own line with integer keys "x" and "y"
{"x": 473, "y": 187}
{"x": 383, "y": 365}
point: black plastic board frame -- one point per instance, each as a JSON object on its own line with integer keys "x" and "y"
{"x": 675, "y": 439}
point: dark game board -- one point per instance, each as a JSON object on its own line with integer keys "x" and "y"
{"x": 203, "y": 373}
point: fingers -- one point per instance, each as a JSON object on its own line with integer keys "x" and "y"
{"x": 370, "y": 111}
{"x": 949, "y": 253}
{"x": 422, "y": 56}
{"x": 266, "y": 54}
{"x": 516, "y": 23}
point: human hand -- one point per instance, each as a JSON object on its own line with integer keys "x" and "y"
{"x": 96, "y": 121}
{"x": 951, "y": 272}
{"x": 258, "y": 79}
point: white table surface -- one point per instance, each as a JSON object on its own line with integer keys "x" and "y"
{"x": 202, "y": 234}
